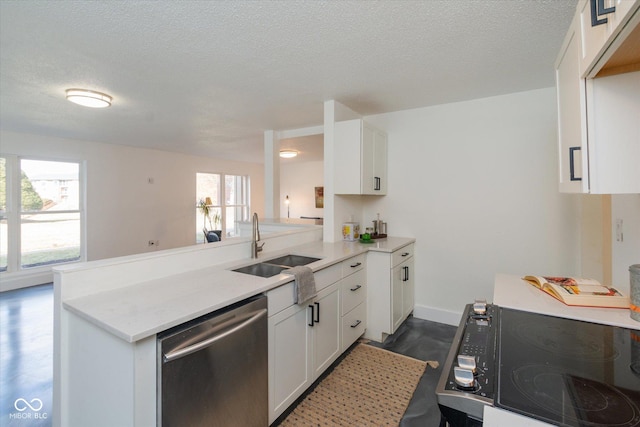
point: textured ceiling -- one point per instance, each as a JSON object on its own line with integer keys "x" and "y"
{"x": 207, "y": 78}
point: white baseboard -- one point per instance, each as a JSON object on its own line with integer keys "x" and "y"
{"x": 437, "y": 315}
{"x": 12, "y": 281}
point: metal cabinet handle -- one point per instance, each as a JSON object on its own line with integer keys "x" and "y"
{"x": 572, "y": 171}
{"x": 406, "y": 274}
{"x": 312, "y": 318}
{"x": 355, "y": 288}
{"x": 376, "y": 183}
{"x": 406, "y": 254}
{"x": 355, "y": 325}
{"x": 598, "y": 9}
{"x": 317, "y": 312}
{"x": 357, "y": 264}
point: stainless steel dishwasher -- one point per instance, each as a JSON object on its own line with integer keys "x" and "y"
{"x": 212, "y": 371}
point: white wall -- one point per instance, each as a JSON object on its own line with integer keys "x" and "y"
{"x": 477, "y": 184}
{"x": 124, "y": 211}
{"x": 626, "y": 251}
{"x": 298, "y": 180}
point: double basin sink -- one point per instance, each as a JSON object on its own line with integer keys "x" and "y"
{"x": 276, "y": 265}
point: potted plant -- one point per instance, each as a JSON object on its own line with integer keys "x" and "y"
{"x": 211, "y": 235}
{"x": 217, "y": 223}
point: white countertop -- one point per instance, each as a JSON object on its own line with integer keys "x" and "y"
{"x": 144, "y": 309}
{"x": 287, "y": 221}
{"x": 513, "y": 292}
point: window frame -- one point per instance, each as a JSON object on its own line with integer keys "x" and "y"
{"x": 223, "y": 206}
{"x": 14, "y": 213}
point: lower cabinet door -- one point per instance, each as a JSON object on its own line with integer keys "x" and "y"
{"x": 408, "y": 284}
{"x": 290, "y": 372}
{"x": 326, "y": 331}
{"x": 397, "y": 304}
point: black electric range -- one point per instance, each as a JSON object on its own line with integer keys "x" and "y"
{"x": 561, "y": 371}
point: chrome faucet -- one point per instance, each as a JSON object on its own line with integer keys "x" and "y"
{"x": 255, "y": 237}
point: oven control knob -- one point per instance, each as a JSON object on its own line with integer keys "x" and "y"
{"x": 468, "y": 363}
{"x": 464, "y": 378}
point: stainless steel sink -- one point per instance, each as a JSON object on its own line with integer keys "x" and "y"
{"x": 275, "y": 266}
{"x": 292, "y": 260}
{"x": 261, "y": 269}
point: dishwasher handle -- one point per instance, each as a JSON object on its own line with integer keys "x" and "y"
{"x": 225, "y": 329}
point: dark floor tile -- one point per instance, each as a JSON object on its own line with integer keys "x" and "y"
{"x": 26, "y": 357}
{"x": 428, "y": 341}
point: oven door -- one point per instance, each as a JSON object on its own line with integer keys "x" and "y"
{"x": 499, "y": 417}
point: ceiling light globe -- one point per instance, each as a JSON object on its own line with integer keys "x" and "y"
{"x": 288, "y": 154}
{"x": 89, "y": 98}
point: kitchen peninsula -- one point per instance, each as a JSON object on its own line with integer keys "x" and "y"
{"x": 511, "y": 291}
{"x": 108, "y": 312}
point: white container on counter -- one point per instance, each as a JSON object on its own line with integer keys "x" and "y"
{"x": 351, "y": 231}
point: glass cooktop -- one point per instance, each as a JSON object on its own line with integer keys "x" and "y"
{"x": 567, "y": 372}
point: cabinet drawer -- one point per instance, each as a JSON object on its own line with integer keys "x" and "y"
{"x": 282, "y": 297}
{"x": 353, "y": 265}
{"x": 354, "y": 324}
{"x": 327, "y": 276}
{"x": 279, "y": 298}
{"x": 401, "y": 254}
{"x": 354, "y": 290}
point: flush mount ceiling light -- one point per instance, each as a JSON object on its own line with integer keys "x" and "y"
{"x": 288, "y": 154}
{"x": 89, "y": 98}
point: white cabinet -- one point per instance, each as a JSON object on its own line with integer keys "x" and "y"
{"x": 326, "y": 326}
{"x": 571, "y": 114}
{"x": 591, "y": 37}
{"x": 402, "y": 285}
{"x": 290, "y": 370}
{"x": 353, "y": 296}
{"x": 390, "y": 293}
{"x": 408, "y": 292}
{"x": 598, "y": 125}
{"x": 360, "y": 158}
{"x": 305, "y": 339}
{"x": 354, "y": 324}
{"x": 602, "y": 30}
{"x": 624, "y": 10}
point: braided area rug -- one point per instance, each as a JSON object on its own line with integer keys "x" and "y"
{"x": 370, "y": 387}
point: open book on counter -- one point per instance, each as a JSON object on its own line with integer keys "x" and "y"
{"x": 582, "y": 292}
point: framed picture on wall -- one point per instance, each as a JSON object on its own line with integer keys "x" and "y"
{"x": 319, "y": 197}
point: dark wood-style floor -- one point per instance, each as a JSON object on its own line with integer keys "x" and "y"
{"x": 26, "y": 359}
{"x": 422, "y": 340}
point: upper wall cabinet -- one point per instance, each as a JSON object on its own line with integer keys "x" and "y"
{"x": 360, "y": 158}
{"x": 599, "y": 118}
{"x": 604, "y": 32}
